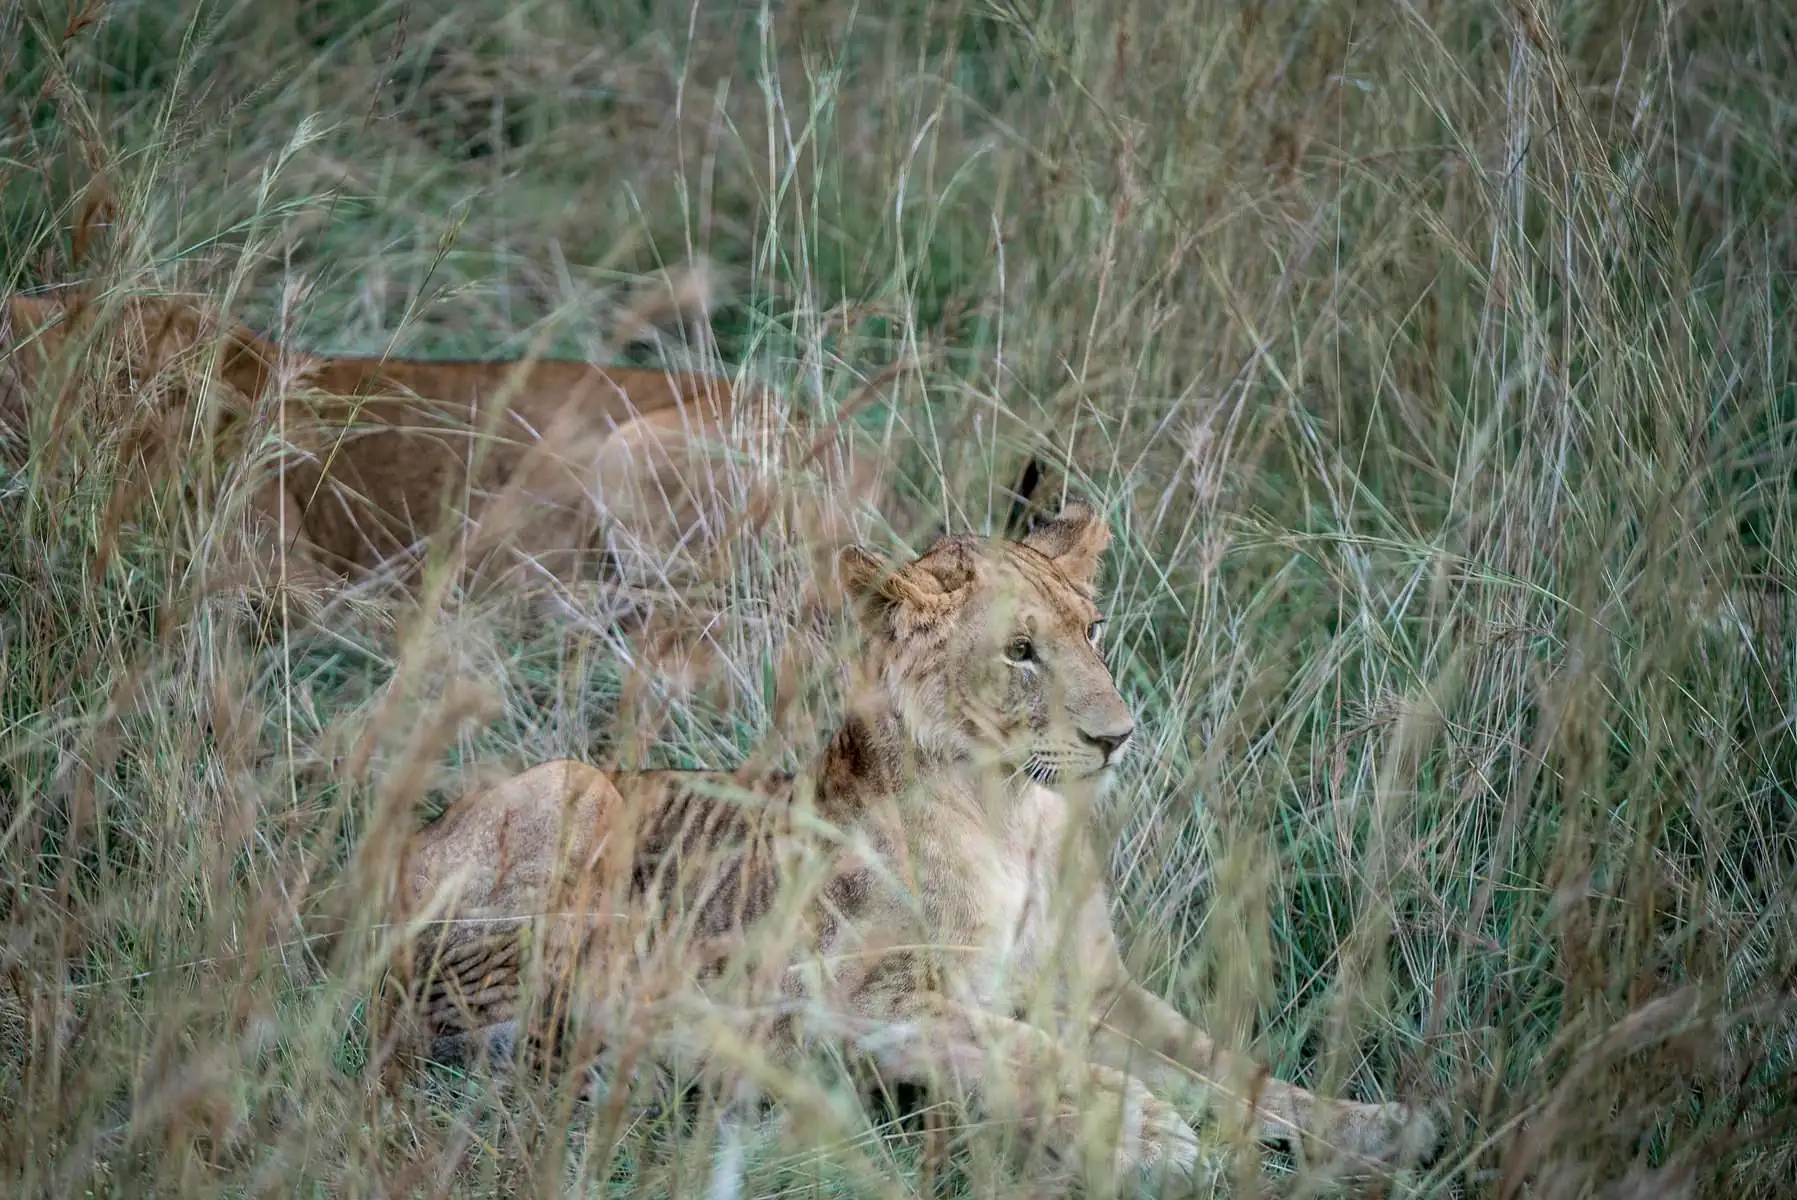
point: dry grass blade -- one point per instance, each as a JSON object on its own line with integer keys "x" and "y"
{"x": 1432, "y": 364}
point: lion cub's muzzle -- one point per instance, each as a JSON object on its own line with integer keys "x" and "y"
{"x": 1108, "y": 745}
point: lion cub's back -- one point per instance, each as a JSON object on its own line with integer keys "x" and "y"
{"x": 502, "y": 848}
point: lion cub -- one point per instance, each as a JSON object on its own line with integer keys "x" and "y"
{"x": 529, "y": 470}
{"x": 915, "y": 898}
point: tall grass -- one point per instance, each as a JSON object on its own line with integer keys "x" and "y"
{"x": 1431, "y": 360}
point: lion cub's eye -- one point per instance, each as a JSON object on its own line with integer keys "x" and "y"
{"x": 1020, "y": 650}
{"x": 1095, "y": 631}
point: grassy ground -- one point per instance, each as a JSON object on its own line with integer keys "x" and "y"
{"x": 1432, "y": 361}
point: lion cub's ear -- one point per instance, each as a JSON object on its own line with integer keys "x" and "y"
{"x": 876, "y": 585}
{"x": 1075, "y": 540}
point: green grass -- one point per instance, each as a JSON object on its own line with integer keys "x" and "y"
{"x": 1432, "y": 362}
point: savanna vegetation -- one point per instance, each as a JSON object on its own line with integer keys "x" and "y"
{"x": 1432, "y": 362}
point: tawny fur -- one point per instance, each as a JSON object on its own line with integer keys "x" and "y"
{"x": 527, "y": 469}
{"x": 956, "y": 899}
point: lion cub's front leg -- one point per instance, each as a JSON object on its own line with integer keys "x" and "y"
{"x": 1142, "y": 1033}
{"x": 1136, "y": 1031}
{"x": 1007, "y": 1064}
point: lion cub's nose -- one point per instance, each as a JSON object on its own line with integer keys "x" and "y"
{"x": 1110, "y": 743}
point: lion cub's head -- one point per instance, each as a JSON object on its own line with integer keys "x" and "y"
{"x": 143, "y": 350}
{"x": 990, "y": 649}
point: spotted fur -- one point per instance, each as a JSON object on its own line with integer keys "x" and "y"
{"x": 925, "y": 896}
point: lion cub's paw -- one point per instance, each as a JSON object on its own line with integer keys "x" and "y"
{"x": 1391, "y": 1134}
{"x": 1155, "y": 1137}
